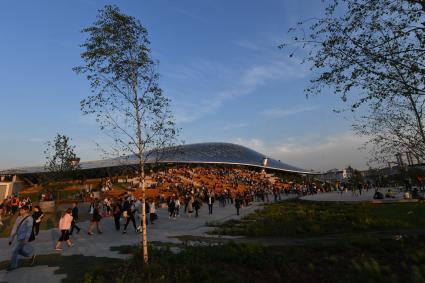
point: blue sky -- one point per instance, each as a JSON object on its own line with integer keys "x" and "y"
{"x": 219, "y": 64}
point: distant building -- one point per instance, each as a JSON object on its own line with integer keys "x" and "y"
{"x": 332, "y": 176}
{"x": 201, "y": 154}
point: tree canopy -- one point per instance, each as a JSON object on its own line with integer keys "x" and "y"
{"x": 61, "y": 159}
{"x": 372, "y": 53}
{"x": 126, "y": 99}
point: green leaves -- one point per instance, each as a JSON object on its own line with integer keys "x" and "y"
{"x": 372, "y": 54}
{"x": 60, "y": 156}
{"x": 127, "y": 101}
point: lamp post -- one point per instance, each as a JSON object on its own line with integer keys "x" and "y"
{"x": 265, "y": 162}
{"x": 403, "y": 169}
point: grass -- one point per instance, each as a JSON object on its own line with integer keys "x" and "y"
{"x": 365, "y": 260}
{"x": 300, "y": 218}
{"x": 344, "y": 259}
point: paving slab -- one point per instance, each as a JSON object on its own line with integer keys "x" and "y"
{"x": 99, "y": 245}
{"x": 35, "y": 274}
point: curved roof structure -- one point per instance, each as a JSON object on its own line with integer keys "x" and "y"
{"x": 200, "y": 153}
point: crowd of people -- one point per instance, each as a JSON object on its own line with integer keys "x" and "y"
{"x": 182, "y": 191}
{"x": 10, "y": 205}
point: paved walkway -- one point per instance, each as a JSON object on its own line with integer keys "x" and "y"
{"x": 164, "y": 230}
{"x": 347, "y": 196}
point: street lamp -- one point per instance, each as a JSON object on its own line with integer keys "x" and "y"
{"x": 265, "y": 162}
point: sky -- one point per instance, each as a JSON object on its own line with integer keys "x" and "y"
{"x": 219, "y": 65}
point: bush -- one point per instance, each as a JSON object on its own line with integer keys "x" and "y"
{"x": 363, "y": 260}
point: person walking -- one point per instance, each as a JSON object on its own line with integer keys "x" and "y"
{"x": 238, "y": 203}
{"x": 172, "y": 209}
{"x": 177, "y": 208}
{"x": 15, "y": 204}
{"x": 74, "y": 219}
{"x": 22, "y": 230}
{"x": 211, "y": 203}
{"x": 95, "y": 220}
{"x": 152, "y": 212}
{"x": 197, "y": 206}
{"x": 117, "y": 210}
{"x": 130, "y": 210}
{"x": 37, "y": 215}
{"x": 64, "y": 226}
{"x": 190, "y": 207}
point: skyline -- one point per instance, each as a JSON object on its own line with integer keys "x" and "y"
{"x": 219, "y": 64}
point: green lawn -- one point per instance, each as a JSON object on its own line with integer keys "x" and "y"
{"x": 301, "y": 218}
{"x": 344, "y": 259}
{"x": 365, "y": 260}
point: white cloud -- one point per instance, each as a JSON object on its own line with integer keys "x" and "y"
{"x": 254, "y": 143}
{"x": 273, "y": 113}
{"x": 281, "y": 70}
{"x": 337, "y": 151}
{"x": 235, "y": 87}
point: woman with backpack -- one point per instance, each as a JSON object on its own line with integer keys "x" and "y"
{"x": 95, "y": 220}
{"x": 64, "y": 227}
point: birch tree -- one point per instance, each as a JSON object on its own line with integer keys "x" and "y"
{"x": 126, "y": 98}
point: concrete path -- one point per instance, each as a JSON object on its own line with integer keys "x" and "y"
{"x": 164, "y": 230}
{"x": 41, "y": 273}
{"x": 347, "y": 196}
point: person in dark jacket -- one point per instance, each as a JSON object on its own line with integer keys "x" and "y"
{"x": 130, "y": 210}
{"x": 172, "y": 208}
{"x": 210, "y": 201}
{"x": 37, "y": 215}
{"x": 117, "y": 210}
{"x": 74, "y": 214}
{"x": 197, "y": 206}
{"x": 238, "y": 202}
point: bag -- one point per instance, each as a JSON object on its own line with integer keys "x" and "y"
{"x": 32, "y": 236}
{"x": 125, "y": 214}
{"x": 98, "y": 217}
